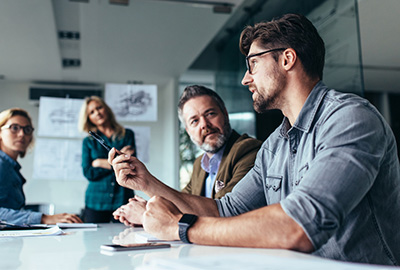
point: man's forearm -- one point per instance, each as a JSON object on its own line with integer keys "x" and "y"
{"x": 133, "y": 174}
{"x": 186, "y": 203}
{"x": 267, "y": 227}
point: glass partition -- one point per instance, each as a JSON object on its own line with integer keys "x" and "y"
{"x": 337, "y": 23}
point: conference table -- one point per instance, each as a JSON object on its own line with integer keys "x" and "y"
{"x": 80, "y": 249}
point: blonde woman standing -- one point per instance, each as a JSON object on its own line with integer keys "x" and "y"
{"x": 103, "y": 194}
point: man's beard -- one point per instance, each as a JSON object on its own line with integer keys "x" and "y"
{"x": 221, "y": 140}
{"x": 262, "y": 104}
{"x": 264, "y": 101}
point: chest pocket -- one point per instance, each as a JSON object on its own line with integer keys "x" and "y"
{"x": 273, "y": 188}
{"x": 300, "y": 175}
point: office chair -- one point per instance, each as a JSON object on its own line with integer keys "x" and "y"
{"x": 45, "y": 208}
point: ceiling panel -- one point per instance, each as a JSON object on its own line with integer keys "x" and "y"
{"x": 149, "y": 41}
{"x": 28, "y": 47}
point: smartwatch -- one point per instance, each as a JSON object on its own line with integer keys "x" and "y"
{"x": 186, "y": 221}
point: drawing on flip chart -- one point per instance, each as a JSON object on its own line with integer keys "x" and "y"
{"x": 68, "y": 156}
{"x": 63, "y": 115}
{"x": 58, "y": 117}
{"x": 132, "y": 102}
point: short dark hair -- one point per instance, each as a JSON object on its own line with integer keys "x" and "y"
{"x": 193, "y": 91}
{"x": 289, "y": 31}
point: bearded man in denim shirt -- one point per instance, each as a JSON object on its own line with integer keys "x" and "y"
{"x": 326, "y": 182}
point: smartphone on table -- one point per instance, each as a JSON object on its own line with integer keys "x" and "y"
{"x": 139, "y": 246}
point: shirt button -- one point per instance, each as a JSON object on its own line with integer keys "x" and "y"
{"x": 112, "y": 184}
{"x": 111, "y": 195}
{"x": 294, "y": 151}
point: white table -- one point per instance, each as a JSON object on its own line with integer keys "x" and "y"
{"x": 80, "y": 249}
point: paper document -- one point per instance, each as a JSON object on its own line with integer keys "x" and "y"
{"x": 76, "y": 225}
{"x": 25, "y": 233}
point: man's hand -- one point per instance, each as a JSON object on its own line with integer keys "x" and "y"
{"x": 128, "y": 150}
{"x": 129, "y": 171}
{"x": 161, "y": 219}
{"x": 60, "y": 218}
{"x": 131, "y": 214}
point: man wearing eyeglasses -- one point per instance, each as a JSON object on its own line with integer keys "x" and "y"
{"x": 326, "y": 182}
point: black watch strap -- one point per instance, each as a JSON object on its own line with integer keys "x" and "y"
{"x": 186, "y": 221}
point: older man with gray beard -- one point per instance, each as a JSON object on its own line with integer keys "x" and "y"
{"x": 228, "y": 156}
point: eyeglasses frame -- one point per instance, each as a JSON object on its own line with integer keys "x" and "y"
{"x": 258, "y": 54}
{"x": 20, "y": 127}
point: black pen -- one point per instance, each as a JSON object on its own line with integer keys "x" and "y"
{"x": 100, "y": 140}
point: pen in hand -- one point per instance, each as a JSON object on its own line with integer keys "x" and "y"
{"x": 100, "y": 140}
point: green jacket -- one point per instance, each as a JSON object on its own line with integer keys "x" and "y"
{"x": 238, "y": 158}
{"x": 103, "y": 192}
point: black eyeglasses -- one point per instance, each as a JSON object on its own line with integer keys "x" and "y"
{"x": 251, "y": 66}
{"x": 15, "y": 128}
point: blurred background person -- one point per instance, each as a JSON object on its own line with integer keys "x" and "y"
{"x": 103, "y": 194}
{"x": 16, "y": 135}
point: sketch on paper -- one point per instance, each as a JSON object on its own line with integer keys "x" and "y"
{"x": 58, "y": 117}
{"x": 67, "y": 153}
{"x": 132, "y": 102}
{"x": 142, "y": 141}
{"x": 63, "y": 116}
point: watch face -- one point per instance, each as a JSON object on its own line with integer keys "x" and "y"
{"x": 187, "y": 219}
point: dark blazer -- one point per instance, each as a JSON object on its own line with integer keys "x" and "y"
{"x": 238, "y": 158}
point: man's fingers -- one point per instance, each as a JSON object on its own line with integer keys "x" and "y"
{"x": 111, "y": 155}
{"x": 120, "y": 159}
{"x": 140, "y": 199}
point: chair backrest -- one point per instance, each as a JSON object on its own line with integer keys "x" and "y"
{"x": 45, "y": 208}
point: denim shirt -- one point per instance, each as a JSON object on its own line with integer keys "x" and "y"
{"x": 12, "y": 197}
{"x": 336, "y": 173}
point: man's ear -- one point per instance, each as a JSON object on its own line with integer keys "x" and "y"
{"x": 289, "y": 58}
{"x": 226, "y": 113}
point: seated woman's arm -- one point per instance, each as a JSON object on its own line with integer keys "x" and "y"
{"x": 20, "y": 217}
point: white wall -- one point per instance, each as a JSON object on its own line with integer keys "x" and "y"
{"x": 68, "y": 196}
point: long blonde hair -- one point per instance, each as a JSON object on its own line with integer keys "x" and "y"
{"x": 8, "y": 114}
{"x": 85, "y": 124}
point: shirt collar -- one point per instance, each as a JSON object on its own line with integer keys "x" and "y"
{"x": 308, "y": 112}
{"x": 9, "y": 160}
{"x": 217, "y": 157}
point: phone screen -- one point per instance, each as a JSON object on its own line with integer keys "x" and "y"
{"x": 135, "y": 246}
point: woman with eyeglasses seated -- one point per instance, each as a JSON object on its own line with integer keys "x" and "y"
{"x": 16, "y": 135}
